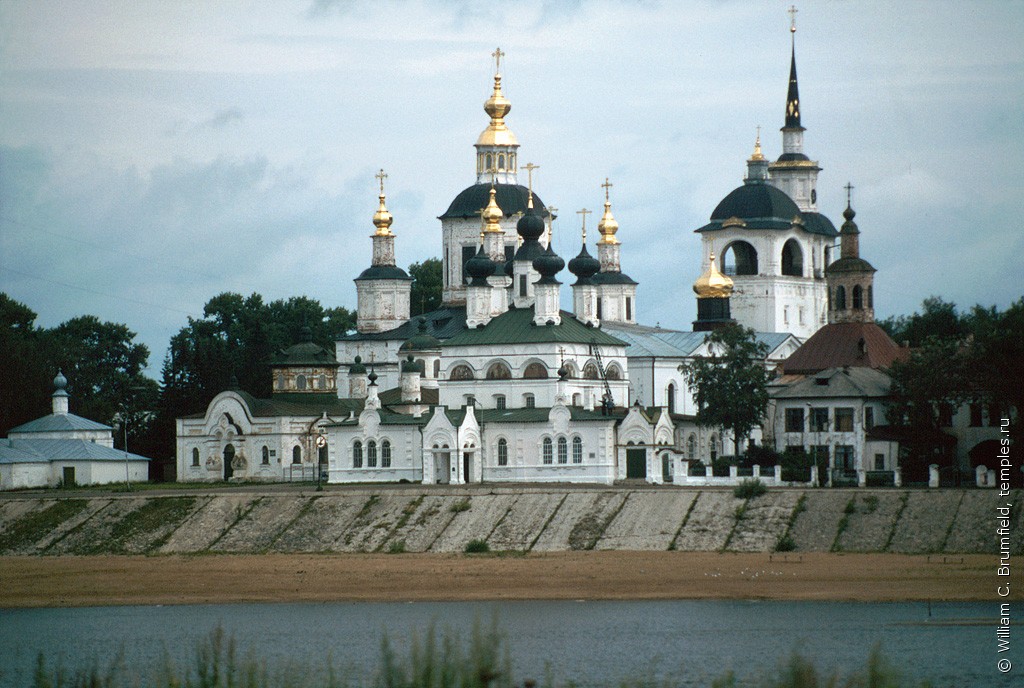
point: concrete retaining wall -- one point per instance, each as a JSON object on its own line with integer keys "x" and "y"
{"x": 536, "y": 519}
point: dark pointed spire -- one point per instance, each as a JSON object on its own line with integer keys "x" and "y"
{"x": 793, "y": 96}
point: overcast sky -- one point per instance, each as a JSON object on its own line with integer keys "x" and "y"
{"x": 154, "y": 154}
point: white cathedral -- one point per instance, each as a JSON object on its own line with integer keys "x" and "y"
{"x": 501, "y": 385}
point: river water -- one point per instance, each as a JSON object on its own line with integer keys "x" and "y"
{"x": 589, "y": 643}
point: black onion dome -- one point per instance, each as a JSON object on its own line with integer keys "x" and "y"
{"x": 548, "y": 264}
{"x": 480, "y": 267}
{"x": 584, "y": 266}
{"x": 530, "y": 225}
{"x": 357, "y": 368}
{"x": 421, "y": 341}
{"x": 511, "y": 198}
{"x": 849, "y": 227}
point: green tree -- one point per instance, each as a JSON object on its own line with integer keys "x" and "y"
{"x": 26, "y": 377}
{"x": 730, "y": 386}
{"x": 426, "y": 286}
{"x": 936, "y": 374}
{"x": 937, "y": 318}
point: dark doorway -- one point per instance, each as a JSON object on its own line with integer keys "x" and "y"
{"x": 69, "y": 476}
{"x": 636, "y": 463}
{"x": 229, "y": 457}
{"x": 465, "y": 467}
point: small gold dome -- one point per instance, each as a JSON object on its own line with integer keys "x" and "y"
{"x": 492, "y": 215}
{"x": 608, "y": 225}
{"x": 382, "y": 219}
{"x": 497, "y": 106}
{"x": 713, "y": 284}
{"x": 758, "y": 155}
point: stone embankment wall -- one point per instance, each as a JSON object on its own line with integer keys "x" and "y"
{"x": 537, "y": 519}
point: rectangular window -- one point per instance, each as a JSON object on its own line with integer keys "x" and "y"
{"x": 522, "y": 285}
{"x": 629, "y": 308}
{"x": 499, "y": 402}
{"x": 599, "y": 308}
{"x": 879, "y": 462}
{"x": 844, "y": 420}
{"x": 869, "y": 417}
{"x": 577, "y": 450}
{"x": 820, "y": 453}
{"x": 844, "y": 457}
{"x": 945, "y": 414}
{"x": 819, "y": 420}
{"x": 547, "y": 452}
{"x": 794, "y": 420}
{"x": 529, "y": 401}
{"x": 563, "y": 450}
{"x": 976, "y": 415}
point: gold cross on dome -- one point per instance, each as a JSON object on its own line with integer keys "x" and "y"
{"x": 530, "y": 167}
{"x": 497, "y": 55}
{"x": 584, "y": 212}
{"x": 381, "y": 176}
{"x": 607, "y": 185}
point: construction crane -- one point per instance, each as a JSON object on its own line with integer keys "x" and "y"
{"x": 607, "y": 402}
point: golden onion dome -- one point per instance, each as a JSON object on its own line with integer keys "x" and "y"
{"x": 492, "y": 215}
{"x": 757, "y": 155}
{"x": 497, "y": 106}
{"x": 382, "y": 219}
{"x": 608, "y": 226}
{"x": 713, "y": 284}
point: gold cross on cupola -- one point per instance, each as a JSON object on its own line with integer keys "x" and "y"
{"x": 381, "y": 176}
{"x": 529, "y": 167}
{"x": 584, "y": 212}
{"x": 497, "y": 55}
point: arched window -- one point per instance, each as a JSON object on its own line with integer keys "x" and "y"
{"x": 502, "y": 452}
{"x": 498, "y": 371}
{"x": 840, "y": 298}
{"x": 670, "y": 395}
{"x": 792, "y": 259}
{"x": 563, "y": 450}
{"x": 535, "y": 371}
{"x": 713, "y": 447}
{"x": 437, "y": 368}
{"x": 577, "y": 450}
{"x": 279, "y": 382}
{"x": 371, "y": 454}
{"x": 629, "y": 308}
{"x": 871, "y": 297}
{"x": 265, "y": 458}
{"x": 512, "y": 161}
{"x": 858, "y": 297}
{"x": 488, "y": 163}
{"x": 547, "y": 453}
{"x": 323, "y": 381}
{"x": 300, "y": 382}
{"x": 501, "y": 162}
{"x": 296, "y": 454}
{"x": 739, "y": 258}
{"x": 195, "y": 456}
{"x": 357, "y": 454}
{"x": 613, "y": 372}
{"x": 590, "y": 372}
{"x": 229, "y": 454}
{"x": 691, "y": 447}
{"x": 385, "y": 454}
{"x": 462, "y": 372}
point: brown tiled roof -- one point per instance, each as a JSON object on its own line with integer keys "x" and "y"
{"x": 863, "y": 345}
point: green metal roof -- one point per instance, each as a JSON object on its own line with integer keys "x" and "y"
{"x": 511, "y": 198}
{"x": 516, "y": 327}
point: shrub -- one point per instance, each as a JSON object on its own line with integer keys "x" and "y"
{"x": 477, "y": 547}
{"x": 748, "y": 489}
{"x": 397, "y": 547}
{"x": 459, "y": 506}
{"x": 785, "y": 544}
{"x": 760, "y": 455}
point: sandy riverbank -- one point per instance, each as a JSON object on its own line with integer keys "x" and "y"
{"x": 118, "y": 580}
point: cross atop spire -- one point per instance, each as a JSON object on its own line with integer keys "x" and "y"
{"x": 849, "y": 187}
{"x": 792, "y": 18}
{"x": 584, "y": 212}
{"x": 497, "y": 55}
{"x": 607, "y": 185}
{"x": 381, "y": 176}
